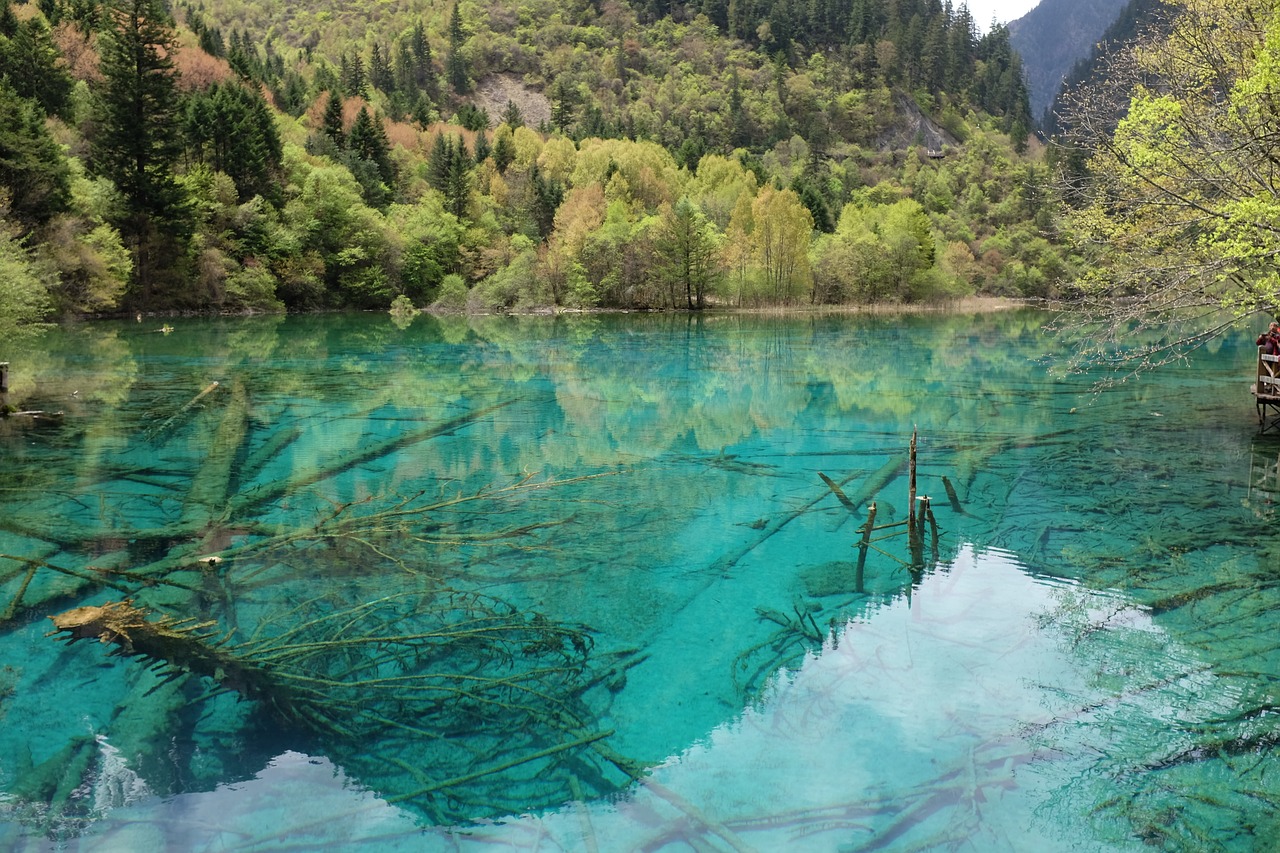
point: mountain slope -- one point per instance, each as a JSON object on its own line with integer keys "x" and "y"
{"x": 1137, "y": 17}
{"x": 1053, "y": 37}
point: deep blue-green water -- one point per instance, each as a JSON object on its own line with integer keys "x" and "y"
{"x": 595, "y": 584}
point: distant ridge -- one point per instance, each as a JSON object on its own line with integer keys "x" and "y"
{"x": 1136, "y": 17}
{"x": 1053, "y": 37}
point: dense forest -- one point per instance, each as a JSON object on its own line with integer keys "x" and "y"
{"x": 516, "y": 155}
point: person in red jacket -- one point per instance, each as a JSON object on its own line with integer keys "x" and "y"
{"x": 1270, "y": 339}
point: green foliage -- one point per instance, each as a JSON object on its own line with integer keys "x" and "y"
{"x": 452, "y": 297}
{"x": 29, "y": 60}
{"x": 230, "y": 128}
{"x": 509, "y": 286}
{"x": 1180, "y": 190}
{"x": 687, "y": 255}
{"x": 457, "y": 66}
{"x": 23, "y": 295}
{"x": 138, "y": 143}
{"x": 33, "y": 172}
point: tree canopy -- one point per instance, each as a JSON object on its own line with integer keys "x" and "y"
{"x": 1179, "y": 198}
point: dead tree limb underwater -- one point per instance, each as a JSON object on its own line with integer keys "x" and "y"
{"x": 351, "y": 670}
{"x": 460, "y": 680}
{"x": 873, "y": 484}
{"x": 267, "y": 493}
{"x": 186, "y": 410}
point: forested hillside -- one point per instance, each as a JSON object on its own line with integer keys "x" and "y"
{"x": 512, "y": 155}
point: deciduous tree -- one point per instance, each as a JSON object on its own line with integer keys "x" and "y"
{"x": 1181, "y": 201}
{"x": 780, "y": 239}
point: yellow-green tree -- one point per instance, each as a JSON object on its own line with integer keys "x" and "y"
{"x": 23, "y": 293}
{"x": 780, "y": 242}
{"x": 1181, "y": 200}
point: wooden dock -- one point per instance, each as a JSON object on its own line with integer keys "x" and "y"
{"x": 1266, "y": 391}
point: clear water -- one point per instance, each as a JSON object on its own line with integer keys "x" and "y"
{"x": 617, "y": 607}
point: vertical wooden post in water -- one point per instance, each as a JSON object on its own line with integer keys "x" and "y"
{"x": 4, "y": 387}
{"x": 911, "y": 484}
{"x": 915, "y": 535}
{"x": 863, "y": 546}
{"x": 926, "y": 511}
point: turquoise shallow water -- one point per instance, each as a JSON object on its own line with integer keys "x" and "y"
{"x": 592, "y": 584}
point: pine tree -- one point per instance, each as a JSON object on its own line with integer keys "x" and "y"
{"x": 136, "y": 144}
{"x": 380, "y": 75}
{"x": 8, "y": 20}
{"x": 368, "y": 141}
{"x": 544, "y": 200}
{"x": 333, "y": 120}
{"x": 30, "y": 60}
{"x": 457, "y": 190}
{"x": 563, "y": 101}
{"x": 230, "y": 127}
{"x": 424, "y": 68}
{"x": 292, "y": 97}
{"x": 355, "y": 84}
{"x": 458, "y": 69}
{"x": 504, "y": 149}
{"x": 440, "y": 162}
{"x": 138, "y": 139}
{"x": 511, "y": 115}
{"x": 33, "y": 170}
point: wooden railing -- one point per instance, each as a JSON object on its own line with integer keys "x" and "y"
{"x": 1268, "y": 384}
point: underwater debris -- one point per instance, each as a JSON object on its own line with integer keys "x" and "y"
{"x": 462, "y": 680}
{"x": 353, "y": 670}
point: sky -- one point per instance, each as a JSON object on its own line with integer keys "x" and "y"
{"x": 1004, "y": 10}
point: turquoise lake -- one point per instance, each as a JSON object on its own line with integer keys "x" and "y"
{"x": 597, "y": 583}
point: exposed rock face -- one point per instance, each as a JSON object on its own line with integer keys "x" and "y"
{"x": 1053, "y": 37}
{"x": 494, "y": 91}
{"x": 913, "y": 127}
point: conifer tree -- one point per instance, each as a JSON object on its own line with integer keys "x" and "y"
{"x": 139, "y": 140}
{"x": 380, "y": 75}
{"x": 230, "y": 127}
{"x": 563, "y": 101}
{"x": 30, "y": 60}
{"x": 355, "y": 84}
{"x": 504, "y": 149}
{"x": 424, "y": 69}
{"x": 457, "y": 68}
{"x": 440, "y": 162}
{"x": 511, "y": 115}
{"x": 8, "y": 20}
{"x": 33, "y": 172}
{"x": 457, "y": 189}
{"x": 333, "y": 120}
{"x": 368, "y": 141}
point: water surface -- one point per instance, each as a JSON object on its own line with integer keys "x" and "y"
{"x": 593, "y": 583}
